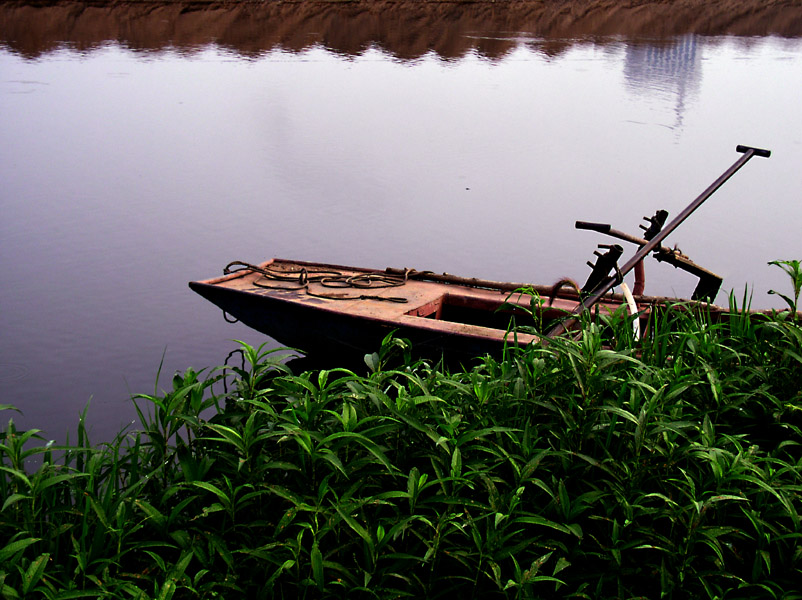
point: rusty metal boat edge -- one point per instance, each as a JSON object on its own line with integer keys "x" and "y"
{"x": 441, "y": 315}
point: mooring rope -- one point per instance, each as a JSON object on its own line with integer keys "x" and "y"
{"x": 301, "y": 278}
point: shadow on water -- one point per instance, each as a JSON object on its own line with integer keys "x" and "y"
{"x": 405, "y": 30}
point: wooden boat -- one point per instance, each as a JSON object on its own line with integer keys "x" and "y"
{"x": 346, "y": 312}
{"x": 335, "y": 309}
{"x": 341, "y": 311}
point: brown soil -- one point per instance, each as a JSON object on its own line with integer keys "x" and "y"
{"x": 404, "y": 28}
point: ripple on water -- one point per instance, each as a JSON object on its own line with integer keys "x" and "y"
{"x": 13, "y": 372}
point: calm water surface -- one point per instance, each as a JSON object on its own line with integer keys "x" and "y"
{"x": 124, "y": 174}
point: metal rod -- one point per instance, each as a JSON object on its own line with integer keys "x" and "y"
{"x": 612, "y": 281}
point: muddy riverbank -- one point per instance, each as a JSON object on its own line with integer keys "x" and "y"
{"x": 406, "y": 29}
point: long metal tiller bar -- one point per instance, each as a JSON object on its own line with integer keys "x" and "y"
{"x": 613, "y": 280}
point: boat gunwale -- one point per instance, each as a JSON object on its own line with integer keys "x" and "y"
{"x": 446, "y": 279}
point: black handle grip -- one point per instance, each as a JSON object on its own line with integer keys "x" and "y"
{"x": 600, "y": 227}
{"x": 757, "y": 151}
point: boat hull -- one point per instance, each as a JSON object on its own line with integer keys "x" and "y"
{"x": 343, "y": 313}
{"x": 321, "y": 332}
{"x": 439, "y": 319}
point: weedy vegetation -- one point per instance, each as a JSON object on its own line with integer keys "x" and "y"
{"x": 596, "y": 466}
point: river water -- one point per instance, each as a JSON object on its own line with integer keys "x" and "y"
{"x": 127, "y": 172}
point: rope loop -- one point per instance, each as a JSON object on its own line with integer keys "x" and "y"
{"x": 301, "y": 278}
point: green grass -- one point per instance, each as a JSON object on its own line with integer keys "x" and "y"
{"x": 594, "y": 467}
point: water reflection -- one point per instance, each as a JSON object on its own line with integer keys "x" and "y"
{"x": 404, "y": 30}
{"x": 670, "y": 68}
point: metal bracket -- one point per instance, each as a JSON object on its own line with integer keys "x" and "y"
{"x": 605, "y": 263}
{"x": 655, "y": 224}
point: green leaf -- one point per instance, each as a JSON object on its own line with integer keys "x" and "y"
{"x": 158, "y": 560}
{"x": 158, "y": 518}
{"x": 285, "y": 566}
{"x": 562, "y": 563}
{"x": 456, "y": 463}
{"x": 546, "y": 578}
{"x": 365, "y": 442}
{"x": 361, "y": 531}
{"x": 11, "y": 549}
{"x": 101, "y": 514}
{"x": 167, "y": 590}
{"x": 68, "y": 595}
{"x": 55, "y": 479}
{"x": 13, "y": 499}
{"x": 177, "y": 572}
{"x": 34, "y": 572}
{"x": 18, "y": 475}
{"x": 316, "y": 558}
{"x": 8, "y": 592}
{"x": 224, "y": 499}
{"x": 542, "y": 521}
{"x": 212, "y": 508}
{"x": 373, "y": 361}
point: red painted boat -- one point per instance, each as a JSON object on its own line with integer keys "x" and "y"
{"x": 340, "y": 311}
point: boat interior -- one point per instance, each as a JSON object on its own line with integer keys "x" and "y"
{"x": 485, "y": 312}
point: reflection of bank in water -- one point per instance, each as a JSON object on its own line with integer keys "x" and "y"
{"x": 406, "y": 29}
{"x": 671, "y": 69}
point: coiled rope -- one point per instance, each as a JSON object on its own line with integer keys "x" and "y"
{"x": 301, "y": 278}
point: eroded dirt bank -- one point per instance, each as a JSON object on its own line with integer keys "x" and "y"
{"x": 404, "y": 28}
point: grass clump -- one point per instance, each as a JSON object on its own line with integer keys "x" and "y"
{"x": 594, "y": 467}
